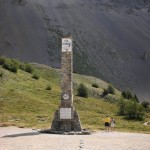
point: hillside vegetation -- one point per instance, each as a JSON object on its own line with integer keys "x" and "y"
{"x": 29, "y": 102}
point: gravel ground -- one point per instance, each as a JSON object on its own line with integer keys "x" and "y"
{"x": 13, "y": 138}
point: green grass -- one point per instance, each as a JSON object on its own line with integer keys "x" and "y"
{"x": 25, "y": 101}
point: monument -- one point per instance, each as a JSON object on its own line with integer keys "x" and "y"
{"x": 66, "y": 118}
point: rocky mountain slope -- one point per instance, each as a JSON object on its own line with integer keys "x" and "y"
{"x": 111, "y": 37}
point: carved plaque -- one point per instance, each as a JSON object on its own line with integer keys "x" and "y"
{"x": 66, "y": 96}
{"x": 65, "y": 113}
{"x": 66, "y": 45}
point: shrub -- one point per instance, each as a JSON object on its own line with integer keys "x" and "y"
{"x": 48, "y": 87}
{"x": 2, "y": 60}
{"x": 10, "y": 65}
{"x": 145, "y": 104}
{"x": 123, "y": 94}
{"x": 15, "y": 62}
{"x": 131, "y": 109}
{"x": 105, "y": 92}
{"x": 134, "y": 110}
{"x": 29, "y": 68}
{"x": 1, "y": 74}
{"x": 82, "y": 90}
{"x": 111, "y": 89}
{"x": 22, "y": 66}
{"x": 111, "y": 98}
{"x": 7, "y": 64}
{"x": 136, "y": 98}
{"x": 128, "y": 95}
{"x": 35, "y": 76}
{"x": 122, "y": 107}
{"x": 14, "y": 69}
{"x": 95, "y": 85}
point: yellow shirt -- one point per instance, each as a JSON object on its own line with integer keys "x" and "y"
{"x": 107, "y": 120}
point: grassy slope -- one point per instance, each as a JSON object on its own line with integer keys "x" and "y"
{"x": 26, "y": 102}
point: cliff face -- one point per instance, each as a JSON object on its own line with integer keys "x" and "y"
{"x": 22, "y": 34}
{"x": 111, "y": 37}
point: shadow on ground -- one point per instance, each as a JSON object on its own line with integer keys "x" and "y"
{"x": 21, "y": 134}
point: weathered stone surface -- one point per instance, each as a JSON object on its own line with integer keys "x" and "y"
{"x": 66, "y": 125}
{"x": 66, "y": 122}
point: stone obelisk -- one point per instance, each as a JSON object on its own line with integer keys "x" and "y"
{"x": 66, "y": 119}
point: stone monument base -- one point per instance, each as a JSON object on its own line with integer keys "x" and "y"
{"x": 66, "y": 125}
{"x": 82, "y": 132}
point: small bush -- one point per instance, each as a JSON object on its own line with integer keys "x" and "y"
{"x": 14, "y": 69}
{"x": 11, "y": 65}
{"x": 134, "y": 110}
{"x": 123, "y": 94}
{"x": 95, "y": 85}
{"x": 145, "y": 104}
{"x": 111, "y": 98}
{"x": 48, "y": 87}
{"x": 2, "y": 60}
{"x": 35, "y": 76}
{"x": 131, "y": 109}
{"x": 122, "y": 107}
{"x": 136, "y": 98}
{"x": 1, "y": 74}
{"x": 105, "y": 92}
{"x": 111, "y": 89}
{"x": 15, "y": 62}
{"x": 7, "y": 64}
{"x": 22, "y": 66}
{"x": 29, "y": 68}
{"x": 128, "y": 95}
{"x": 82, "y": 90}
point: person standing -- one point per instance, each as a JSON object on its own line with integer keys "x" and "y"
{"x": 112, "y": 124}
{"x": 107, "y": 124}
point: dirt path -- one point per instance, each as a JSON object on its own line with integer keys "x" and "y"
{"x": 13, "y": 138}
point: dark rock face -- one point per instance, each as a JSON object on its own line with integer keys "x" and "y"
{"x": 22, "y": 34}
{"x": 111, "y": 37}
